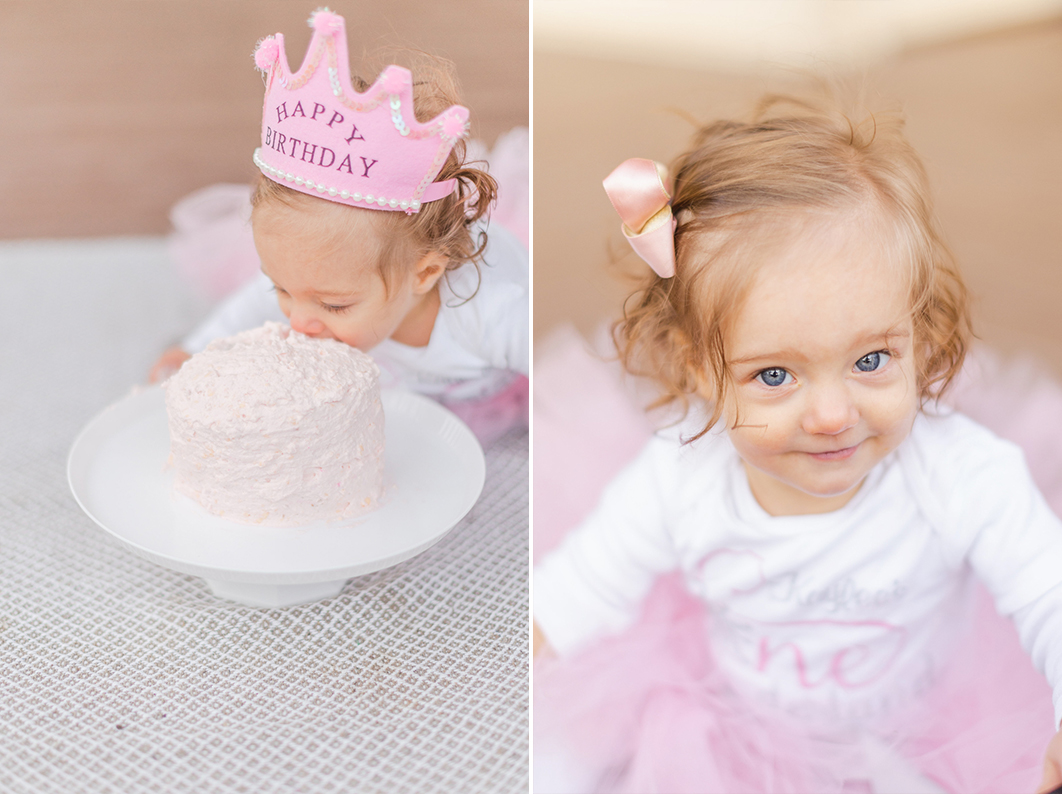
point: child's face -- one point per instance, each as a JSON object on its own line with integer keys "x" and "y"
{"x": 337, "y": 292}
{"x": 823, "y": 364}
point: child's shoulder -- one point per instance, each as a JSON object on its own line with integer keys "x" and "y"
{"x": 504, "y": 264}
{"x": 950, "y": 432}
{"x": 504, "y": 253}
{"x": 947, "y": 447}
{"x": 694, "y": 468}
{"x": 497, "y": 285}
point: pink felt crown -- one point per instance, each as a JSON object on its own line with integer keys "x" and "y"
{"x": 368, "y": 150}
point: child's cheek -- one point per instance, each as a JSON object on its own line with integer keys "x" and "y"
{"x": 763, "y": 429}
{"x": 893, "y": 410}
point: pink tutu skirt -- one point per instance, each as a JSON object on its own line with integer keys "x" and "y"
{"x": 648, "y": 711}
{"x": 497, "y": 414}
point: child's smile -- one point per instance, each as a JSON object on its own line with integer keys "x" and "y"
{"x": 823, "y": 366}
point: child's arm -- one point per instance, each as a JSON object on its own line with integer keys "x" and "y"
{"x": 248, "y": 307}
{"x": 593, "y": 584}
{"x": 496, "y": 322}
{"x": 509, "y": 254}
{"x": 539, "y": 643}
{"x": 169, "y": 362}
{"x": 996, "y": 519}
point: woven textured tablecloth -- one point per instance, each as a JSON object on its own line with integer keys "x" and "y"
{"x": 119, "y": 675}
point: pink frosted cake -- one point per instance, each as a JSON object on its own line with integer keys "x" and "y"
{"x": 273, "y": 427}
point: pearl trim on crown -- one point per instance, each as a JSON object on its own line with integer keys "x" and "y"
{"x": 346, "y": 195}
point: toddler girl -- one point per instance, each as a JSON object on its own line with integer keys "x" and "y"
{"x": 371, "y": 229}
{"x": 826, "y": 515}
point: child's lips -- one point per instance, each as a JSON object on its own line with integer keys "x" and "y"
{"x": 835, "y": 454}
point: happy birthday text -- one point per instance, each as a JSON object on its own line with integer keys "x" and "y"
{"x": 311, "y": 152}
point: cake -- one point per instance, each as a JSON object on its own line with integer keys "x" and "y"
{"x": 276, "y": 428}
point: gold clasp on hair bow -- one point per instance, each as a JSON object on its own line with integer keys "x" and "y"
{"x": 638, "y": 192}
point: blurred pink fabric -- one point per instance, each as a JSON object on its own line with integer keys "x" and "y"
{"x": 212, "y": 245}
{"x": 494, "y": 416}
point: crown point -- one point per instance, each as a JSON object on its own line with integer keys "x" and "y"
{"x": 266, "y": 54}
{"x": 453, "y": 125}
{"x": 394, "y": 80}
{"x": 324, "y": 20}
{"x": 417, "y": 149}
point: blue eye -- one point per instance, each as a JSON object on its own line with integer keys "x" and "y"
{"x": 774, "y": 376}
{"x": 873, "y": 361}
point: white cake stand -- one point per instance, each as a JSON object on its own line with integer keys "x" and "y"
{"x": 117, "y": 469}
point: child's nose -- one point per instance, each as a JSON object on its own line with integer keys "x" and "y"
{"x": 305, "y": 322}
{"x": 830, "y": 411}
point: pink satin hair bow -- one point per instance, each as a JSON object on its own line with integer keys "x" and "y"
{"x": 637, "y": 189}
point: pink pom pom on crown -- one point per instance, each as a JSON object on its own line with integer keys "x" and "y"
{"x": 393, "y": 81}
{"x": 266, "y": 54}
{"x": 453, "y": 125}
{"x": 326, "y": 21}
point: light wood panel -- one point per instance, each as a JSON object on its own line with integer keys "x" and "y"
{"x": 111, "y": 110}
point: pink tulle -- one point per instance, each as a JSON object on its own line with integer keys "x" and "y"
{"x": 212, "y": 245}
{"x": 647, "y": 711}
{"x": 587, "y": 428}
{"x": 492, "y": 417}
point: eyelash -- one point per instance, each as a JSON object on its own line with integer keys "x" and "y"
{"x": 325, "y": 306}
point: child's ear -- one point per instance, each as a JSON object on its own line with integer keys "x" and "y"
{"x": 428, "y": 271}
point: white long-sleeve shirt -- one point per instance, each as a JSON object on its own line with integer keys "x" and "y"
{"x": 843, "y": 614}
{"x": 476, "y": 345}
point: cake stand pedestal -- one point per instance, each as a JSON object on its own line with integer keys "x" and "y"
{"x": 275, "y": 595}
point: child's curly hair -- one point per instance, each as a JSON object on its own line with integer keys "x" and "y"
{"x": 738, "y": 182}
{"x": 443, "y": 225}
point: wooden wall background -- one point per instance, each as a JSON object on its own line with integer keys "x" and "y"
{"x": 984, "y": 112}
{"x": 111, "y": 110}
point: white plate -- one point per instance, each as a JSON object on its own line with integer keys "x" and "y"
{"x": 433, "y": 474}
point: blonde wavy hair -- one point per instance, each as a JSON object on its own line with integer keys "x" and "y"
{"x": 443, "y": 225}
{"x": 732, "y": 187}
